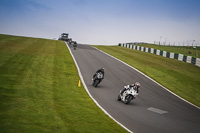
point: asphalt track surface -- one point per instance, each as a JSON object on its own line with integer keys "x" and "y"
{"x": 155, "y": 110}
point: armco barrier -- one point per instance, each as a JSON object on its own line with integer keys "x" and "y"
{"x": 180, "y": 57}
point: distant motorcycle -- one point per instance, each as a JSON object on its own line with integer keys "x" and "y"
{"x": 97, "y": 79}
{"x": 74, "y": 45}
{"x": 128, "y": 95}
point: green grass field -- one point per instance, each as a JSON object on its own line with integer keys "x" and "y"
{"x": 39, "y": 90}
{"x": 180, "y": 77}
{"x": 189, "y": 51}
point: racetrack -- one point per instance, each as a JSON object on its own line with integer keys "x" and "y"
{"x": 154, "y": 111}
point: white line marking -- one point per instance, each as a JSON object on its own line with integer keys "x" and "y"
{"x": 83, "y": 82}
{"x": 149, "y": 78}
{"x": 159, "y": 111}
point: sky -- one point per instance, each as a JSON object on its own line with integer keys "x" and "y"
{"x": 104, "y": 22}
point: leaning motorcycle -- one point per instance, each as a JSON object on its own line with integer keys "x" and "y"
{"x": 128, "y": 95}
{"x": 75, "y": 45}
{"x": 98, "y": 78}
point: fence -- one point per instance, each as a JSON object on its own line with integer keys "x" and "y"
{"x": 180, "y": 57}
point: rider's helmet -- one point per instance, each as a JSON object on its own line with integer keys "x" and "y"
{"x": 137, "y": 84}
{"x": 102, "y": 69}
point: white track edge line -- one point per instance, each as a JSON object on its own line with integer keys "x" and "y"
{"x": 83, "y": 82}
{"x": 149, "y": 78}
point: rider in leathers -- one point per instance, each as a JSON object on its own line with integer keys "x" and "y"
{"x": 98, "y": 71}
{"x": 135, "y": 86}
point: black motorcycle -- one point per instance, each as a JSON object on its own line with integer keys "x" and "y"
{"x": 74, "y": 45}
{"x": 97, "y": 79}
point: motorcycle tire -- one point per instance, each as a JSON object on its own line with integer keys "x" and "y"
{"x": 119, "y": 98}
{"x": 128, "y": 98}
{"x": 96, "y": 82}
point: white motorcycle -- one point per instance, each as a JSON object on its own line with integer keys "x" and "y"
{"x": 127, "y": 95}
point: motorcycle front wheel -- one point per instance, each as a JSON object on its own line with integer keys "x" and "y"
{"x": 128, "y": 98}
{"x": 96, "y": 82}
{"x": 119, "y": 98}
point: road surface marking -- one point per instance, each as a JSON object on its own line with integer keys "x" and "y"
{"x": 159, "y": 111}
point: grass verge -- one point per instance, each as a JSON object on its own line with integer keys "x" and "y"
{"x": 179, "y": 77}
{"x": 39, "y": 90}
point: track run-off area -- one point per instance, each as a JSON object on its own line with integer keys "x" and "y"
{"x": 155, "y": 110}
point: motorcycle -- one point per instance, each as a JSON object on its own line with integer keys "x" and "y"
{"x": 97, "y": 79}
{"x": 74, "y": 45}
{"x": 127, "y": 95}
